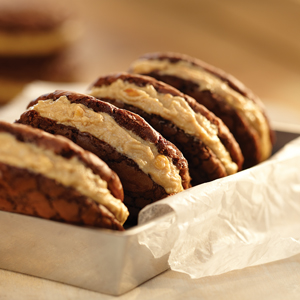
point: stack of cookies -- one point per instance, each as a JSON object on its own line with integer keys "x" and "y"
{"x": 35, "y": 38}
{"x": 171, "y": 122}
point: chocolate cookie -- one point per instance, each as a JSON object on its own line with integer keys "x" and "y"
{"x": 31, "y": 28}
{"x": 36, "y": 43}
{"x": 150, "y": 167}
{"x": 50, "y": 177}
{"x": 221, "y": 93}
{"x": 204, "y": 140}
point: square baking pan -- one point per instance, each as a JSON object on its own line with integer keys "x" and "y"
{"x": 95, "y": 259}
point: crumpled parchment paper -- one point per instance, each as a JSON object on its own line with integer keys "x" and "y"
{"x": 246, "y": 219}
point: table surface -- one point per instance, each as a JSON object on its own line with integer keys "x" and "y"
{"x": 276, "y": 280}
{"x": 248, "y": 39}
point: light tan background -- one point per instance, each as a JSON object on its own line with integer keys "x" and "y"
{"x": 256, "y": 41}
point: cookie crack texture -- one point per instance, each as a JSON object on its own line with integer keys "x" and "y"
{"x": 32, "y": 194}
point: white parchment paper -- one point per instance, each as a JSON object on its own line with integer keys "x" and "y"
{"x": 246, "y": 219}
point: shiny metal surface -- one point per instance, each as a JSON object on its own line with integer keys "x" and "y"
{"x": 99, "y": 260}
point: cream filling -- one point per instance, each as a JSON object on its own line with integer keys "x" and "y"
{"x": 103, "y": 126}
{"x": 172, "y": 108}
{"x": 39, "y": 43}
{"x": 68, "y": 172}
{"x": 207, "y": 81}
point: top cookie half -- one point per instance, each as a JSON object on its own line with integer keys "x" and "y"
{"x": 224, "y": 95}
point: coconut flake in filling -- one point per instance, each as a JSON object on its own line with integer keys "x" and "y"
{"x": 144, "y": 153}
{"x": 207, "y": 81}
{"x": 173, "y": 108}
{"x": 68, "y": 172}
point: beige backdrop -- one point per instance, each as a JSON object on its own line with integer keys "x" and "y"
{"x": 257, "y": 41}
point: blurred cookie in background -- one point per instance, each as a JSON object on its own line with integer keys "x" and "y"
{"x": 35, "y": 28}
{"x": 36, "y": 42}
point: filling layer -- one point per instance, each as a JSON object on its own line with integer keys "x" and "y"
{"x": 104, "y": 127}
{"x": 68, "y": 172}
{"x": 172, "y": 108}
{"x": 37, "y": 43}
{"x": 207, "y": 81}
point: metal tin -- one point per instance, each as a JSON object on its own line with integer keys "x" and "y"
{"x": 96, "y": 259}
{"x": 99, "y": 260}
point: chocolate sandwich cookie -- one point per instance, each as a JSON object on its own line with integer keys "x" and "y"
{"x": 36, "y": 43}
{"x": 204, "y": 140}
{"x": 50, "y": 177}
{"x": 221, "y": 93}
{"x": 32, "y": 28}
{"x": 150, "y": 167}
